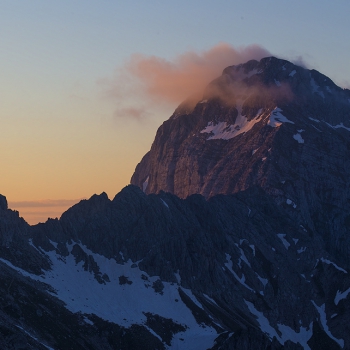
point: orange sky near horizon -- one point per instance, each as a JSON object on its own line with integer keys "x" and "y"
{"x": 45, "y": 181}
{"x": 40, "y": 211}
{"x": 59, "y": 161}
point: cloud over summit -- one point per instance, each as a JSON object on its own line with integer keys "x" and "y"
{"x": 153, "y": 81}
{"x": 173, "y": 81}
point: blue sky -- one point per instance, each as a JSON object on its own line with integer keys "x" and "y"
{"x": 60, "y": 137}
{"x": 81, "y": 36}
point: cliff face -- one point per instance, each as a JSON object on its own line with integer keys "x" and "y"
{"x": 270, "y": 124}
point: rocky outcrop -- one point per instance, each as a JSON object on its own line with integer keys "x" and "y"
{"x": 270, "y": 124}
{"x": 14, "y": 236}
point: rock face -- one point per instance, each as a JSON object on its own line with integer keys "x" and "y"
{"x": 14, "y": 236}
{"x": 270, "y": 124}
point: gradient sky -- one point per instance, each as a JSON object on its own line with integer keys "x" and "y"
{"x": 73, "y": 123}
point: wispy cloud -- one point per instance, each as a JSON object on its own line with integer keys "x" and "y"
{"x": 173, "y": 81}
{"x": 147, "y": 83}
{"x": 300, "y": 61}
{"x": 131, "y": 112}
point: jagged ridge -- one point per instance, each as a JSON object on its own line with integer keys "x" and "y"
{"x": 238, "y": 264}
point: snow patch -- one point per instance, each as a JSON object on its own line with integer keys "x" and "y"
{"x": 39, "y": 250}
{"x": 194, "y": 339}
{"x": 323, "y": 319}
{"x": 243, "y": 257}
{"x": 282, "y": 236}
{"x": 291, "y": 74}
{"x": 32, "y": 336}
{"x": 277, "y": 82}
{"x": 224, "y": 131}
{"x": 123, "y": 304}
{"x": 314, "y": 120}
{"x": 178, "y": 277}
{"x": 301, "y": 250}
{"x": 241, "y": 280}
{"x": 53, "y": 243}
{"x": 153, "y": 332}
{"x": 88, "y": 321}
{"x": 253, "y": 72}
{"x": 210, "y": 299}
{"x": 287, "y": 333}
{"x": 301, "y": 337}
{"x": 298, "y": 138}
{"x": 340, "y": 296}
{"x": 189, "y": 293}
{"x": 315, "y": 88}
{"x": 264, "y": 281}
{"x": 145, "y": 184}
{"x": 334, "y": 264}
{"x": 22, "y": 272}
{"x": 341, "y": 125}
{"x": 303, "y": 228}
{"x": 276, "y": 118}
{"x": 165, "y": 203}
{"x": 253, "y": 248}
{"x": 262, "y": 320}
{"x": 122, "y": 255}
{"x": 290, "y": 202}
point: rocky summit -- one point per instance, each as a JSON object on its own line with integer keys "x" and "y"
{"x": 233, "y": 235}
{"x": 271, "y": 124}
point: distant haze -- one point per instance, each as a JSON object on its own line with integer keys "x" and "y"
{"x": 39, "y": 211}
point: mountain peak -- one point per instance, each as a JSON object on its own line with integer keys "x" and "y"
{"x": 251, "y": 103}
{"x": 267, "y": 123}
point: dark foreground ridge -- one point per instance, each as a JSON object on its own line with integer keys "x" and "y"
{"x": 158, "y": 272}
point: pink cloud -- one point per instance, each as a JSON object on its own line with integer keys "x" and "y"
{"x": 174, "y": 81}
{"x": 147, "y": 83}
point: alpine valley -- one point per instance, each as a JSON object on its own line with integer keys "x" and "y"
{"x": 234, "y": 232}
